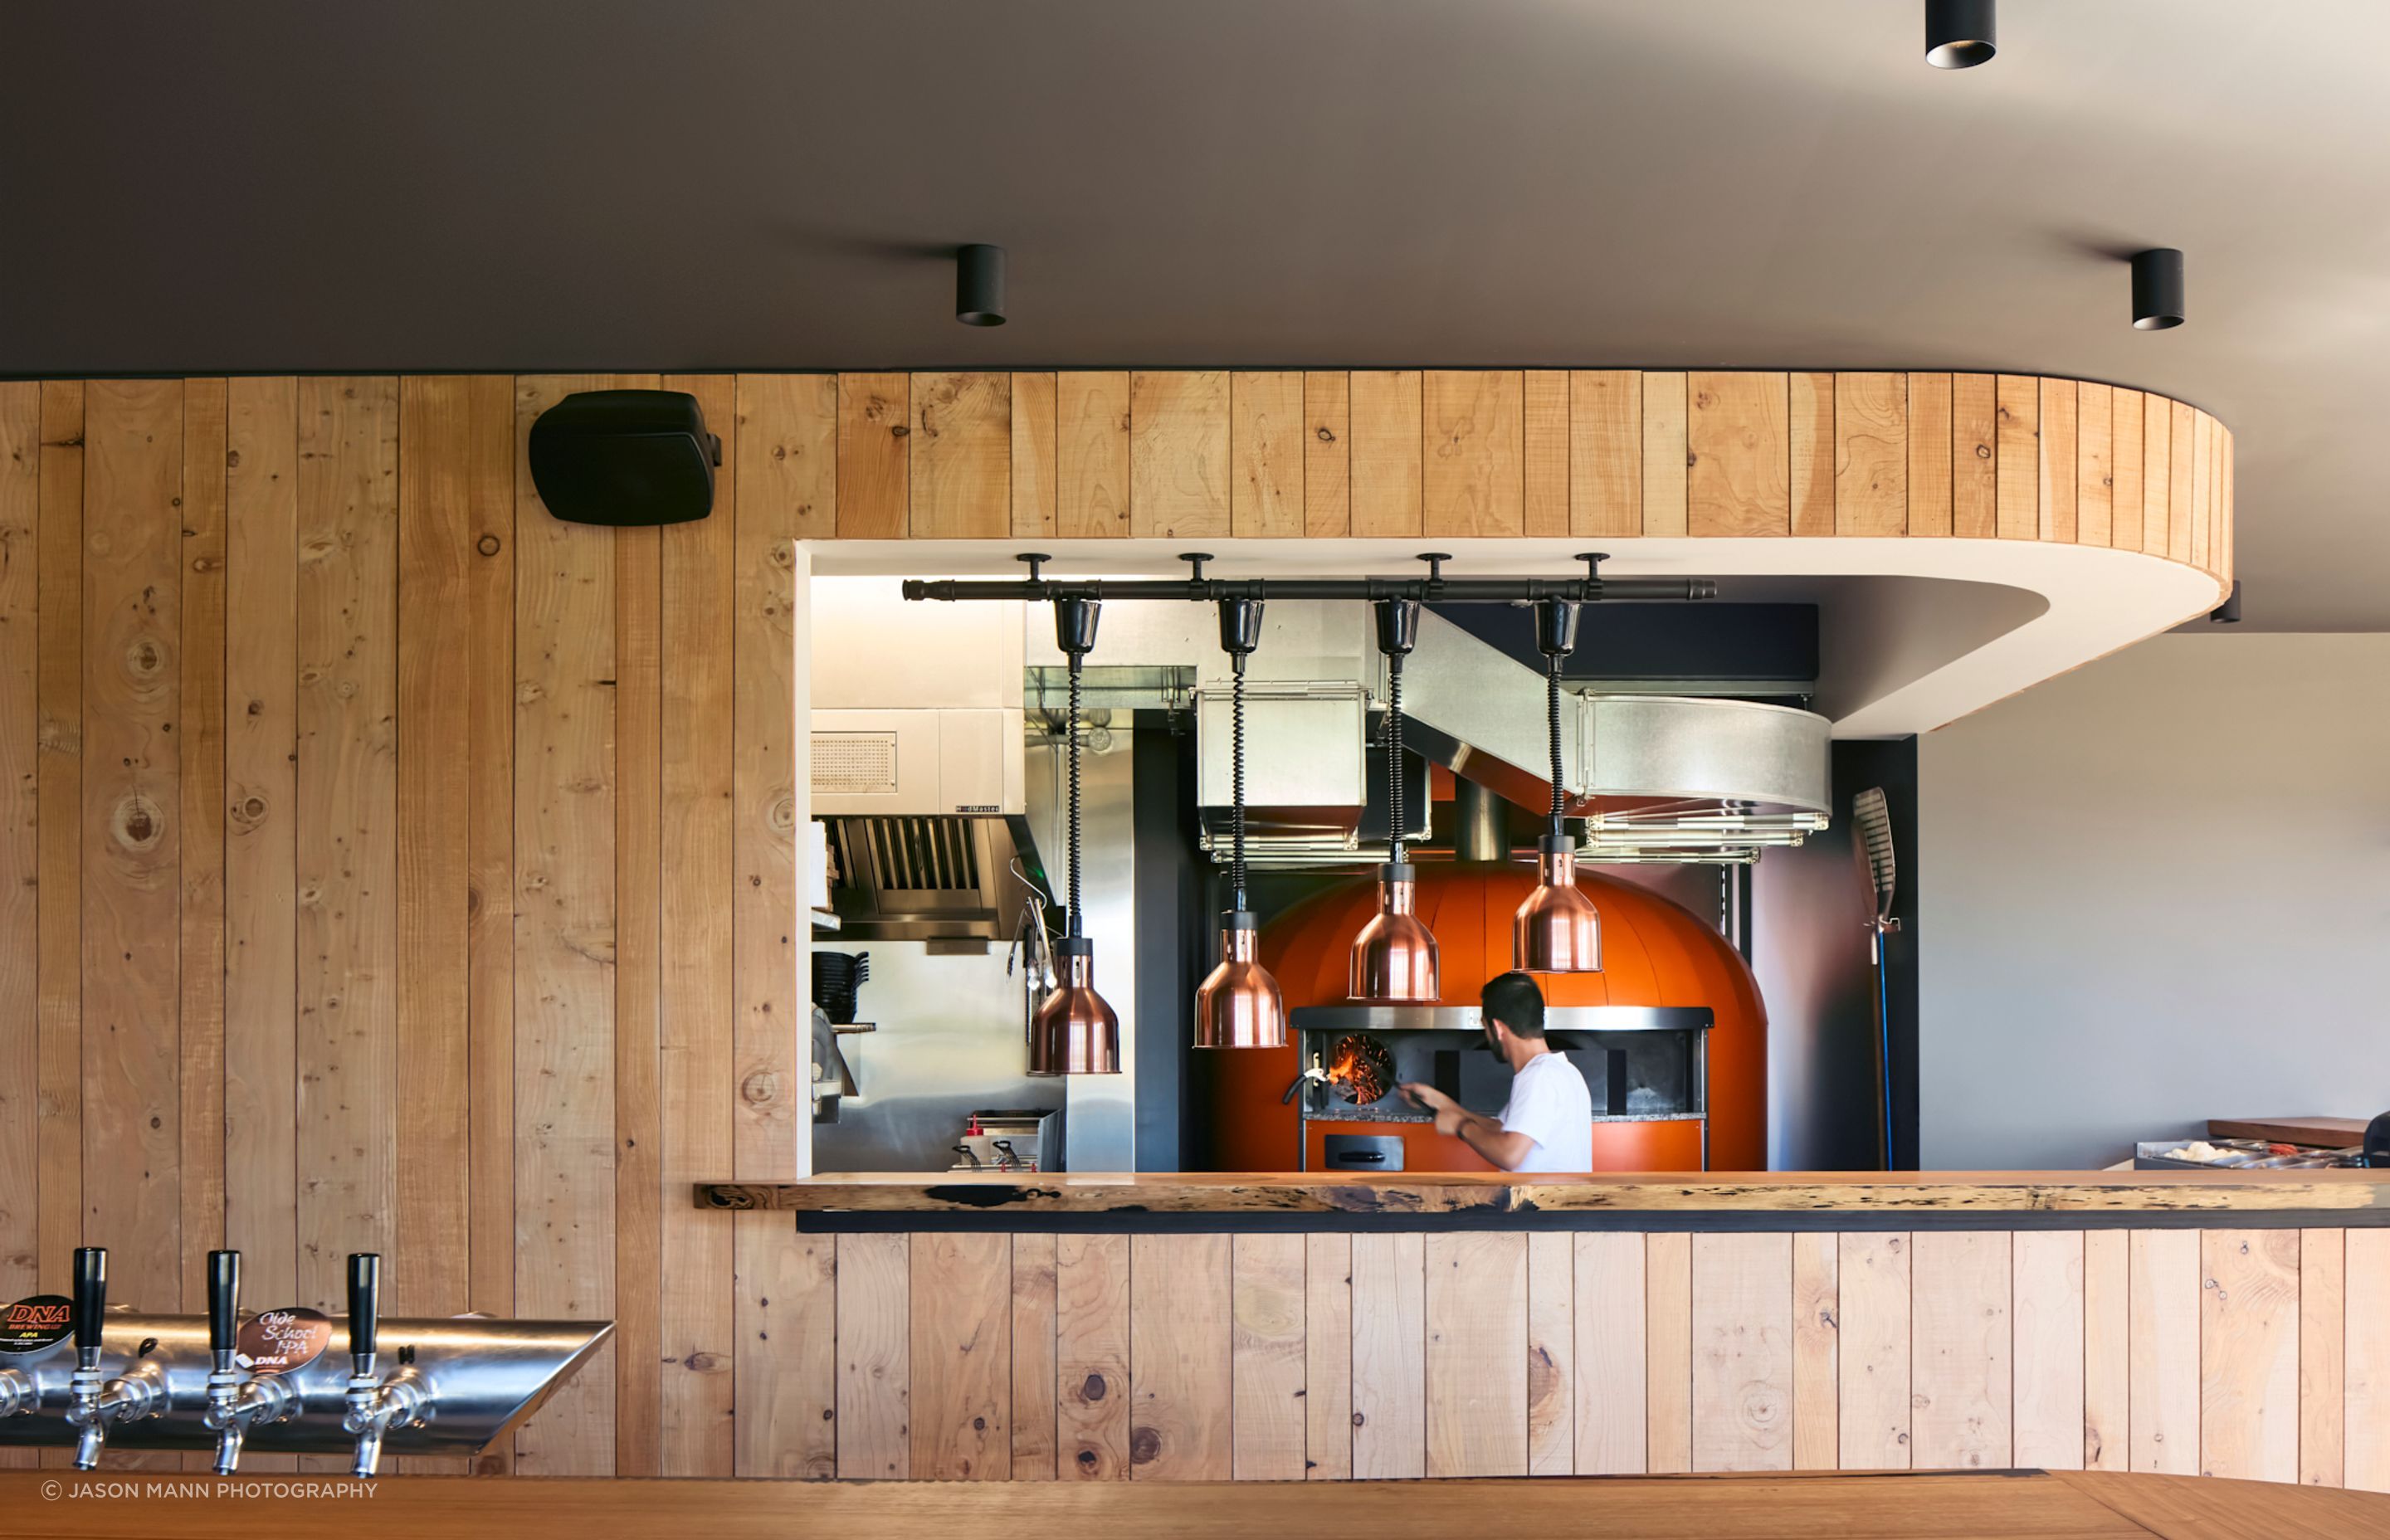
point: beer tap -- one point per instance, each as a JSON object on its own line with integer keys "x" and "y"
{"x": 234, "y": 1400}
{"x": 94, "y": 1397}
{"x": 376, "y": 1404}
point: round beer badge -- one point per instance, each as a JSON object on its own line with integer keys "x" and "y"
{"x": 282, "y": 1341}
{"x": 35, "y": 1322}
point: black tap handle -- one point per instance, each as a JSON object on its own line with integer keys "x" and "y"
{"x": 224, "y": 1299}
{"x": 90, "y": 1295}
{"x": 365, "y": 1288}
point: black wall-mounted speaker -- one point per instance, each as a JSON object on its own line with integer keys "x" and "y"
{"x": 624, "y": 458}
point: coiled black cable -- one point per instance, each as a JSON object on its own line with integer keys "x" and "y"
{"x": 1395, "y": 756}
{"x": 1552, "y": 709}
{"x": 1236, "y": 779}
{"x": 1073, "y": 729}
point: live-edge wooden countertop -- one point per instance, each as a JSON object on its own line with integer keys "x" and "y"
{"x": 2356, "y": 1194}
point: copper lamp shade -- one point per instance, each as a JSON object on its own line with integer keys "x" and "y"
{"x": 1074, "y": 1032}
{"x": 1557, "y": 929}
{"x": 1395, "y": 957}
{"x": 1240, "y": 1005}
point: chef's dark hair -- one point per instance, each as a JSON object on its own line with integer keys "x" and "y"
{"x": 1514, "y": 1000}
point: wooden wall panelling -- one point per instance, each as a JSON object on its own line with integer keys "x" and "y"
{"x": 1387, "y": 415}
{"x": 201, "y": 729}
{"x": 2059, "y": 431}
{"x": 2157, "y": 461}
{"x": 2249, "y": 1354}
{"x": 133, "y": 436}
{"x": 2046, "y": 1317}
{"x": 1812, "y": 453}
{"x": 2130, "y": 459}
{"x": 1181, "y": 1368}
{"x": 2202, "y": 484}
{"x": 1552, "y": 1336}
{"x": 1326, "y": 453}
{"x": 2107, "y": 1351}
{"x": 961, "y": 1356}
{"x": 874, "y": 1304}
{"x": 1091, "y": 454}
{"x": 2225, "y": 556}
{"x": 1872, "y": 453}
{"x": 1033, "y": 453}
{"x": 1668, "y": 1366}
{"x": 694, "y": 924}
{"x": 1960, "y": 1349}
{"x": 1091, "y": 1303}
{"x": 2017, "y": 408}
{"x": 2366, "y": 1395}
{"x": 57, "y": 943}
{"x": 1178, "y": 457}
{"x": 21, "y": 1146}
{"x": 1388, "y": 1355}
{"x": 2181, "y": 447}
{"x": 1608, "y": 450}
{"x": 565, "y": 918}
{"x": 1975, "y": 470}
{"x": 1611, "y": 1401}
{"x": 1665, "y": 457}
{"x": 1327, "y": 1357}
{"x": 1875, "y": 1410}
{"x": 638, "y": 990}
{"x": 1932, "y": 469}
{"x": 2095, "y": 460}
{"x": 2165, "y": 1326}
{"x": 1474, "y": 476}
{"x": 1035, "y": 1416}
{"x": 1477, "y": 1354}
{"x": 1742, "y": 1351}
{"x": 1546, "y": 475}
{"x": 1817, "y": 1350}
{"x": 960, "y": 457}
{"x": 1269, "y": 1333}
{"x": 875, "y": 421}
{"x": 2323, "y": 1346}
{"x": 1737, "y": 455}
{"x": 1267, "y": 449}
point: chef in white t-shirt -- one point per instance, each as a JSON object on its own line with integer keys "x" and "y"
{"x": 1548, "y": 1122}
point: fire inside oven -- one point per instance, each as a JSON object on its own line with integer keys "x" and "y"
{"x": 1363, "y": 1069}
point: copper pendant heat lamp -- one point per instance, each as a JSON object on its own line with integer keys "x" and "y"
{"x": 1395, "y": 957}
{"x": 1557, "y": 929}
{"x": 1074, "y": 1032}
{"x": 1240, "y": 1005}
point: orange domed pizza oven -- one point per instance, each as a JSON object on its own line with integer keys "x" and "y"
{"x": 1654, "y": 952}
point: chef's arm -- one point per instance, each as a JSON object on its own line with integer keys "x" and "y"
{"x": 1505, "y": 1150}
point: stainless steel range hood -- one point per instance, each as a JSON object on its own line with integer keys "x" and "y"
{"x": 931, "y": 877}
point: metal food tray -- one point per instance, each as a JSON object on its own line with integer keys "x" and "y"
{"x": 2242, "y": 1155}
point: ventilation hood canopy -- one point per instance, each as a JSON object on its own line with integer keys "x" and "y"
{"x": 933, "y": 878}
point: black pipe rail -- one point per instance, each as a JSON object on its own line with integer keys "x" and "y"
{"x": 1434, "y": 588}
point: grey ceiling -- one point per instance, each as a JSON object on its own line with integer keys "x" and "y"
{"x": 504, "y": 184}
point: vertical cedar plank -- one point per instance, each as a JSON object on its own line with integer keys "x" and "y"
{"x": 788, "y": 441}
{"x": 1091, "y": 454}
{"x": 1327, "y": 1357}
{"x": 2018, "y": 408}
{"x": 1327, "y": 454}
{"x": 1609, "y": 1401}
{"x": 1180, "y": 1365}
{"x": 2249, "y": 1354}
{"x": 1265, "y": 1423}
{"x": 1033, "y": 1406}
{"x": 1875, "y": 1410}
{"x": 1817, "y": 1350}
{"x": 960, "y": 453}
{"x": 1472, "y": 478}
{"x": 960, "y": 1357}
{"x": 2048, "y": 1316}
{"x": 1091, "y": 1279}
{"x": 2127, "y": 460}
{"x": 1389, "y": 1356}
{"x": 2107, "y": 1350}
{"x": 1932, "y": 469}
{"x": 1872, "y": 453}
{"x": 2095, "y": 462}
{"x": 875, "y": 419}
{"x": 1737, "y": 453}
{"x": 2366, "y": 1284}
{"x": 1179, "y": 453}
{"x": 874, "y": 1293}
{"x": 1552, "y": 1333}
{"x": 565, "y": 946}
{"x": 1669, "y": 1336}
{"x": 638, "y": 990}
{"x": 1265, "y": 443}
{"x": 694, "y": 1025}
{"x": 131, "y": 822}
{"x": 1388, "y": 414}
{"x": 1606, "y": 451}
{"x": 2058, "y": 433}
{"x": 2165, "y": 1351}
{"x": 1666, "y": 470}
{"x": 2157, "y": 460}
{"x": 201, "y": 729}
{"x": 20, "y": 1145}
{"x": 1959, "y": 1370}
{"x": 2323, "y": 1337}
{"x": 1975, "y": 470}
{"x": 1812, "y": 453}
{"x": 1476, "y": 1360}
{"x": 786, "y": 1362}
{"x": 1545, "y": 436}
{"x": 2181, "y": 448}
{"x": 1033, "y": 453}
{"x": 1742, "y": 1351}
{"x": 58, "y": 842}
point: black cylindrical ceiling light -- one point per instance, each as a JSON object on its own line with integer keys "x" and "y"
{"x": 1959, "y": 34}
{"x": 2157, "y": 289}
{"x": 979, "y": 285}
{"x": 2228, "y": 613}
